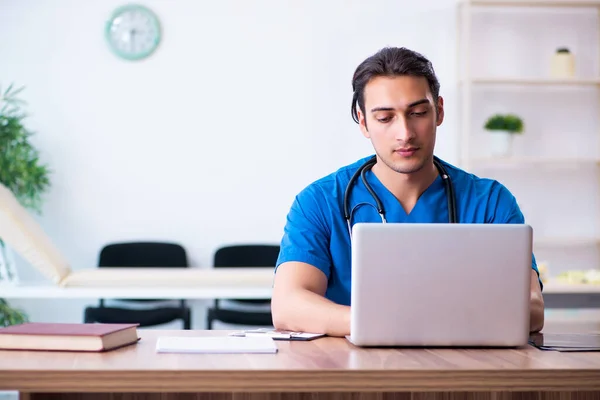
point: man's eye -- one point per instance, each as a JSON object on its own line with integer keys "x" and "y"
{"x": 384, "y": 119}
{"x": 419, "y": 114}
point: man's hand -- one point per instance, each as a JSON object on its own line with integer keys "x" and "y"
{"x": 536, "y": 302}
{"x": 299, "y": 304}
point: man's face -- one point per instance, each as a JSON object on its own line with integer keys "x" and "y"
{"x": 400, "y": 119}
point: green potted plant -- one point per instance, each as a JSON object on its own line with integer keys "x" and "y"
{"x": 503, "y": 127}
{"x": 22, "y": 172}
{"x": 10, "y": 315}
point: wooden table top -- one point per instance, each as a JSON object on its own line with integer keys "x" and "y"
{"x": 326, "y": 364}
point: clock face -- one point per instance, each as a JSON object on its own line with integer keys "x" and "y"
{"x": 133, "y": 32}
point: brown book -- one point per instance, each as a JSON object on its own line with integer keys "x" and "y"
{"x": 67, "y": 337}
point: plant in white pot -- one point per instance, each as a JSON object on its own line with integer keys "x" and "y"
{"x": 502, "y": 128}
{"x": 23, "y": 173}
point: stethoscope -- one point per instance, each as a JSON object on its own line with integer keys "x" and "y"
{"x": 448, "y": 188}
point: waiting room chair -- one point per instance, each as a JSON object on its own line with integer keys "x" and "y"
{"x": 146, "y": 255}
{"x": 257, "y": 255}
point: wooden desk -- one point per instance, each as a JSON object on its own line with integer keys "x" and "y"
{"x": 325, "y": 368}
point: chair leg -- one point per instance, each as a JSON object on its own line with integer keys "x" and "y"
{"x": 86, "y": 317}
{"x": 187, "y": 320}
{"x": 209, "y": 321}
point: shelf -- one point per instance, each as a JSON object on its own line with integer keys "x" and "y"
{"x": 566, "y": 242}
{"x": 533, "y": 3}
{"x": 533, "y": 81}
{"x": 554, "y": 286}
{"x": 513, "y": 161}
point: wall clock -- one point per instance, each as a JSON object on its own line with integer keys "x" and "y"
{"x": 133, "y": 32}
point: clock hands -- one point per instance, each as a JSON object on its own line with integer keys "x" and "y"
{"x": 132, "y": 33}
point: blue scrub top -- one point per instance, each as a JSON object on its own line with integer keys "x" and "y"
{"x": 316, "y": 231}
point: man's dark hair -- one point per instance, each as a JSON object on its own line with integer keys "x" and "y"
{"x": 390, "y": 62}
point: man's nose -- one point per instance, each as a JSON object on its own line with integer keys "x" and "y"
{"x": 402, "y": 130}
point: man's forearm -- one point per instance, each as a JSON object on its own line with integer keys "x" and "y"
{"x": 536, "y": 321}
{"x": 305, "y": 311}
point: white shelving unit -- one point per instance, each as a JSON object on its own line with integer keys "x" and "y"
{"x": 470, "y": 81}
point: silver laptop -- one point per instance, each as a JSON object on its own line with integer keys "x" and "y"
{"x": 444, "y": 285}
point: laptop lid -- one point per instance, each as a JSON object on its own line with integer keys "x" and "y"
{"x": 440, "y": 284}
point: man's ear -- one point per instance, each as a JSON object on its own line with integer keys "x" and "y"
{"x": 440, "y": 110}
{"x": 362, "y": 122}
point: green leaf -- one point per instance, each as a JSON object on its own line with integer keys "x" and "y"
{"x": 8, "y": 90}
{"x": 16, "y": 92}
{"x": 21, "y": 169}
{"x": 509, "y": 122}
{"x": 10, "y": 315}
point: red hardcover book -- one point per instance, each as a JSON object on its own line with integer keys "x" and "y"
{"x": 67, "y": 337}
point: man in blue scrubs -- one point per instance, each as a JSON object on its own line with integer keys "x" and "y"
{"x": 398, "y": 108}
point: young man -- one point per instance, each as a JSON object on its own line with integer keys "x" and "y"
{"x": 397, "y": 105}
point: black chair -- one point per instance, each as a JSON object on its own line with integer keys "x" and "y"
{"x": 243, "y": 256}
{"x": 145, "y": 255}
